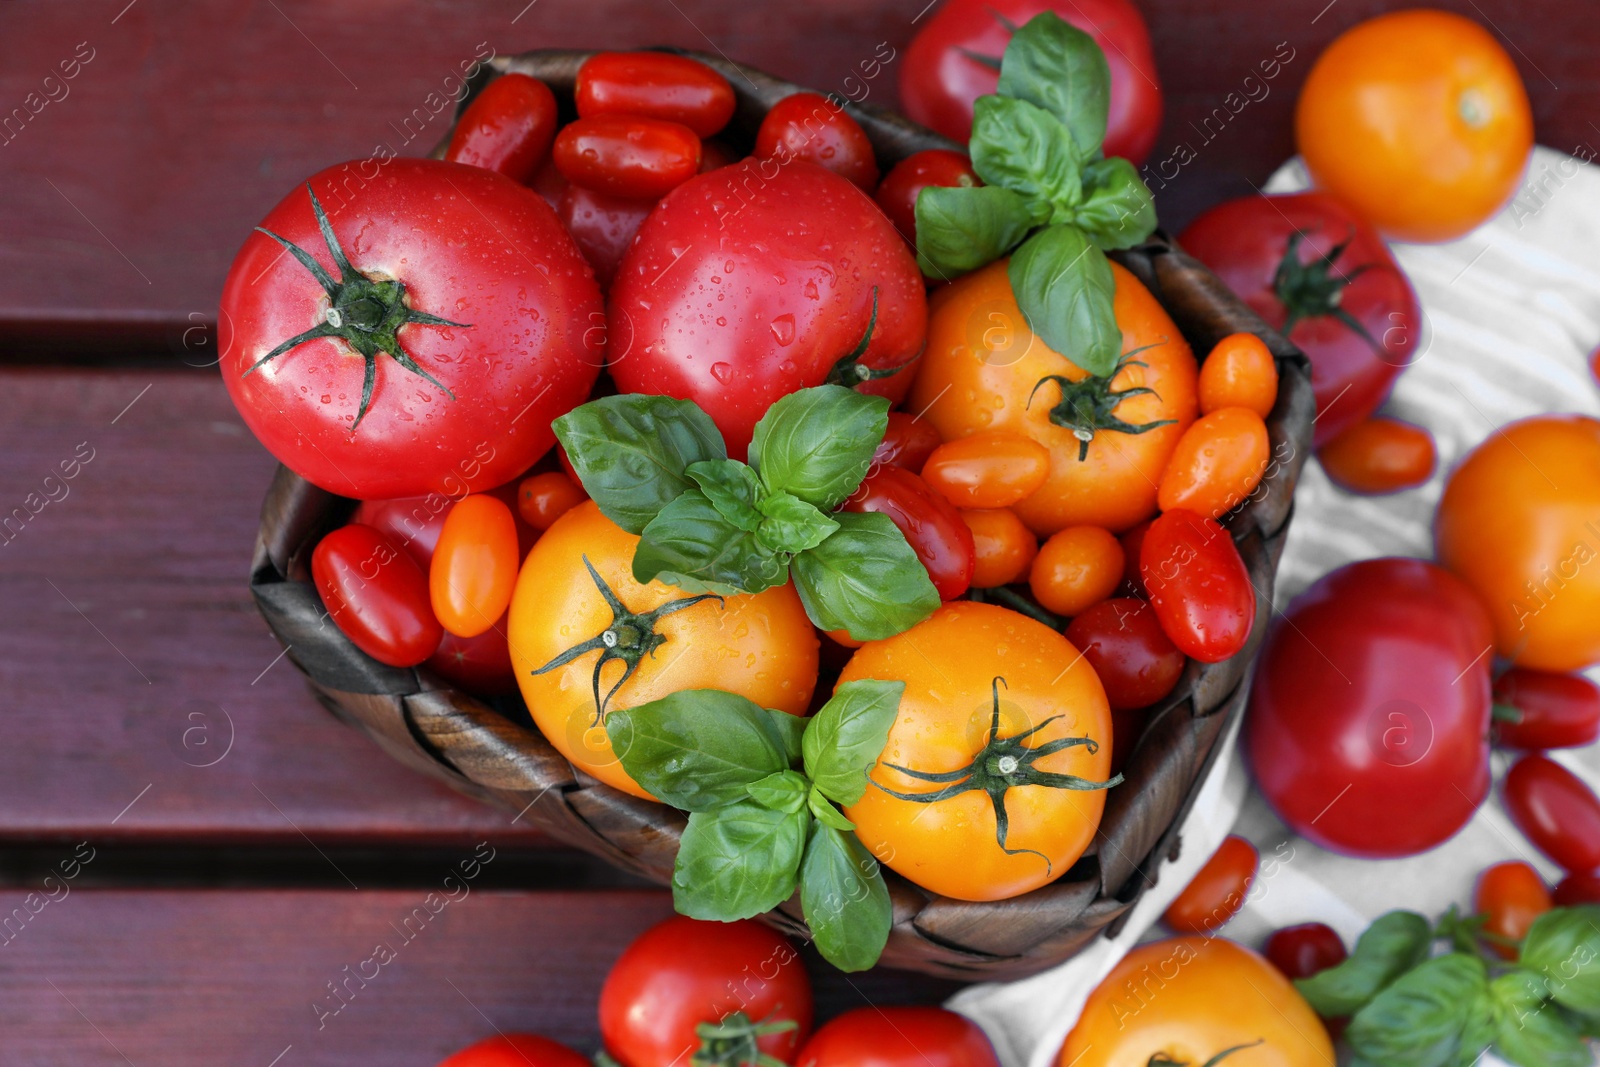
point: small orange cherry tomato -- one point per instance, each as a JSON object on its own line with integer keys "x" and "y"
{"x": 1380, "y": 456}
{"x": 1217, "y": 892}
{"x": 474, "y": 566}
{"x": 1239, "y": 373}
{"x": 1076, "y": 569}
{"x": 1219, "y": 462}
{"x": 544, "y": 498}
{"x": 1511, "y": 895}
{"x": 1002, "y": 543}
{"x": 988, "y": 470}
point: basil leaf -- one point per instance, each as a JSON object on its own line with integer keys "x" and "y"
{"x": 848, "y": 734}
{"x": 697, "y": 749}
{"x": 737, "y": 862}
{"x": 825, "y": 812}
{"x": 1528, "y": 1029}
{"x": 864, "y": 579}
{"x": 844, "y": 899}
{"x": 1054, "y": 65}
{"x": 960, "y": 229}
{"x": 1064, "y": 287}
{"x": 783, "y": 791}
{"x": 631, "y": 452}
{"x": 1563, "y": 945}
{"x": 1392, "y": 945}
{"x": 791, "y": 728}
{"x": 1417, "y": 1021}
{"x": 690, "y": 545}
{"x": 1025, "y": 149}
{"x": 1117, "y": 210}
{"x": 1477, "y": 1029}
{"x": 816, "y": 443}
{"x": 789, "y": 524}
{"x": 732, "y": 488}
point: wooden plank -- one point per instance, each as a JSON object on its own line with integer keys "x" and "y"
{"x": 113, "y": 977}
{"x": 143, "y": 695}
{"x": 128, "y": 195}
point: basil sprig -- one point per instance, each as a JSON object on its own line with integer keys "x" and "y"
{"x": 1052, "y": 197}
{"x": 1412, "y": 1008}
{"x": 659, "y": 468}
{"x": 760, "y": 788}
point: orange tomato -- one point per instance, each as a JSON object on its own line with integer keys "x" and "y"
{"x": 1217, "y": 891}
{"x": 544, "y": 498}
{"x": 1419, "y": 121}
{"x": 984, "y": 685}
{"x": 1185, "y": 1000}
{"x": 1076, "y": 568}
{"x": 1002, "y": 546}
{"x": 1511, "y": 895}
{"x": 1520, "y": 523}
{"x": 984, "y": 370}
{"x": 1380, "y": 455}
{"x": 987, "y": 470}
{"x": 474, "y": 565}
{"x": 760, "y": 646}
{"x": 1218, "y": 463}
{"x": 1239, "y": 373}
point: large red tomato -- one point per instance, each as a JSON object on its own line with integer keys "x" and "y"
{"x": 1368, "y": 728}
{"x": 448, "y": 320}
{"x": 1356, "y": 317}
{"x": 752, "y": 281}
{"x": 953, "y": 60}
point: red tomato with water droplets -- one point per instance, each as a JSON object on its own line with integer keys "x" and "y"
{"x": 508, "y": 127}
{"x": 931, "y": 524}
{"x": 626, "y": 155}
{"x": 544, "y": 498}
{"x": 1551, "y": 710}
{"x": 1304, "y": 950}
{"x": 376, "y": 595}
{"x": 813, "y": 128}
{"x": 657, "y": 85}
{"x": 1198, "y": 585}
{"x": 908, "y": 1036}
{"x": 752, "y": 281}
{"x": 897, "y": 193}
{"x": 908, "y": 442}
{"x": 602, "y": 225}
{"x": 516, "y": 1050}
{"x": 1137, "y": 662}
{"x": 1556, "y": 811}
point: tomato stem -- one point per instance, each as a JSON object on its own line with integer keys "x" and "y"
{"x": 628, "y": 638}
{"x": 1003, "y": 764}
{"x": 1161, "y": 1059}
{"x": 850, "y": 372}
{"x": 734, "y": 1041}
{"x": 366, "y": 313}
{"x": 1316, "y": 289}
{"x": 1086, "y": 407}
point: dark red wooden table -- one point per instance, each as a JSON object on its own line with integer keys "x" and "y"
{"x": 246, "y": 846}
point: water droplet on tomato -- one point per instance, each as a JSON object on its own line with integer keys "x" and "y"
{"x": 722, "y": 372}
{"x": 783, "y": 329}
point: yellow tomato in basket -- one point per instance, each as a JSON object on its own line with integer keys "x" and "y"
{"x": 587, "y": 638}
{"x": 993, "y": 780}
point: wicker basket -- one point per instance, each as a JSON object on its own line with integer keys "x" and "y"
{"x": 427, "y": 724}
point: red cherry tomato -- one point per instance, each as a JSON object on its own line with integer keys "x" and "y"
{"x": 988, "y": 470}
{"x": 931, "y": 524}
{"x": 1002, "y": 546}
{"x": 602, "y": 225}
{"x": 1577, "y": 889}
{"x": 1304, "y": 950}
{"x": 897, "y": 193}
{"x": 544, "y": 498}
{"x": 516, "y": 1050}
{"x": 657, "y": 85}
{"x": 507, "y": 127}
{"x": 898, "y": 1037}
{"x": 1132, "y": 549}
{"x": 684, "y": 973}
{"x": 480, "y": 664}
{"x": 1368, "y": 727}
{"x": 1217, "y": 892}
{"x": 954, "y": 59}
{"x": 1556, "y": 811}
{"x": 626, "y": 155}
{"x": 907, "y": 443}
{"x": 812, "y": 127}
{"x": 376, "y": 595}
{"x": 474, "y": 565}
{"x": 1511, "y": 895}
{"x": 1551, "y": 710}
{"x": 1198, "y": 585}
{"x": 1137, "y": 662}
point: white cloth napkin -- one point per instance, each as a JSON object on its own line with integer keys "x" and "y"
{"x": 1511, "y": 313}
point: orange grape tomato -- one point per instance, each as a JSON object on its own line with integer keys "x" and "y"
{"x": 1510, "y": 896}
{"x": 544, "y": 498}
{"x": 1239, "y": 373}
{"x": 988, "y": 470}
{"x": 1217, "y": 891}
{"x": 1003, "y": 545}
{"x": 1380, "y": 455}
{"x": 1219, "y": 462}
{"x": 474, "y": 566}
{"x": 1076, "y": 569}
